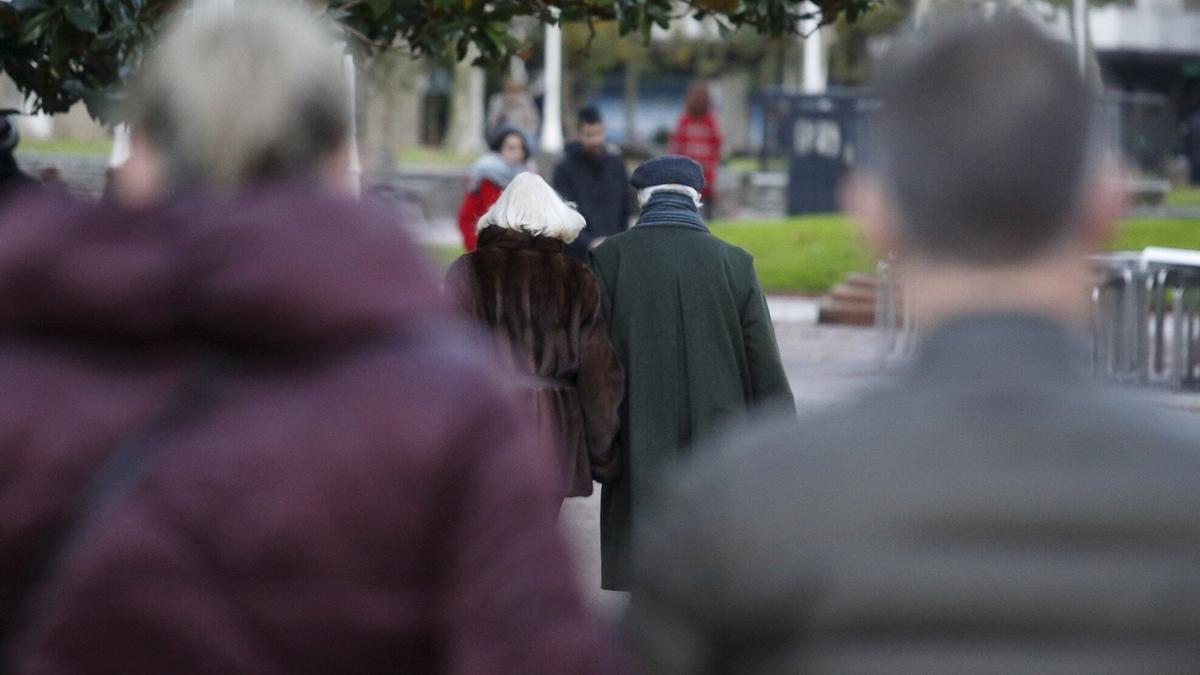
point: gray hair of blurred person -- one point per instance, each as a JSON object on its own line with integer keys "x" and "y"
{"x": 987, "y": 142}
{"x": 243, "y": 93}
{"x": 530, "y": 205}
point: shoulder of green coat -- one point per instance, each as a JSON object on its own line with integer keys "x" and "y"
{"x": 737, "y": 254}
{"x": 610, "y": 248}
{"x": 601, "y": 258}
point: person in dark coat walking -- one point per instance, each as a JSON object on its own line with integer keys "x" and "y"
{"x": 691, "y": 326}
{"x": 595, "y": 180}
{"x": 994, "y": 509}
{"x": 541, "y": 308}
{"x": 242, "y": 431}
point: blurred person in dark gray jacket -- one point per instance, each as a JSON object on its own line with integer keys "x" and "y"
{"x": 994, "y": 510}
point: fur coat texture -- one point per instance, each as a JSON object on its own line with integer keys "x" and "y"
{"x": 541, "y": 309}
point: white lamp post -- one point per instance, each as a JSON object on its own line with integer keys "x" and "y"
{"x": 552, "y": 134}
{"x": 815, "y": 78}
{"x": 1079, "y": 16}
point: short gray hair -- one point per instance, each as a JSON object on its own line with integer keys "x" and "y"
{"x": 242, "y": 93}
{"x": 988, "y": 139}
{"x": 645, "y": 194}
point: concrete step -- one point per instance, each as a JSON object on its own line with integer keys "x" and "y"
{"x": 861, "y": 280}
{"x": 848, "y": 312}
{"x": 848, "y": 293}
{"x": 852, "y": 301}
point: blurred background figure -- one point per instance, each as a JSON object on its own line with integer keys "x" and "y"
{"x": 698, "y": 135}
{"x": 542, "y": 310}
{"x": 12, "y": 179}
{"x": 595, "y": 180}
{"x": 1192, "y": 146}
{"x": 242, "y": 432}
{"x": 514, "y": 107}
{"x": 691, "y": 326}
{"x": 994, "y": 510}
{"x": 508, "y": 155}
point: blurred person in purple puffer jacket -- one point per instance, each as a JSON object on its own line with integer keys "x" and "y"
{"x": 240, "y": 431}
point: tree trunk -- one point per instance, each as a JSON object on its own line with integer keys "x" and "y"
{"x": 465, "y": 135}
{"x": 395, "y": 101}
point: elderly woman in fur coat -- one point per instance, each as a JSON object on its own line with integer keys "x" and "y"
{"x": 541, "y": 309}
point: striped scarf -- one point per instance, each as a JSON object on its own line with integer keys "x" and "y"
{"x": 671, "y": 209}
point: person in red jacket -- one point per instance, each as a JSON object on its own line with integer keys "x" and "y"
{"x": 490, "y": 174}
{"x": 698, "y": 135}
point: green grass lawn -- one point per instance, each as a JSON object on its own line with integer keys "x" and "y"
{"x": 442, "y": 256}
{"x": 810, "y": 254}
{"x": 1185, "y": 196}
{"x": 102, "y": 147}
{"x": 427, "y": 156}
{"x": 806, "y": 254}
{"x": 800, "y": 254}
{"x": 1135, "y": 234}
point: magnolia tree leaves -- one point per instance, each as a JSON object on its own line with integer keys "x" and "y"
{"x": 62, "y": 51}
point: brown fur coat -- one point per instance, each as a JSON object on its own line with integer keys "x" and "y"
{"x": 542, "y": 311}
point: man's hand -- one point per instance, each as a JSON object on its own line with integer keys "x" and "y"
{"x": 596, "y": 242}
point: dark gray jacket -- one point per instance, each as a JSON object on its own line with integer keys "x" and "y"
{"x": 599, "y": 188}
{"x": 995, "y": 511}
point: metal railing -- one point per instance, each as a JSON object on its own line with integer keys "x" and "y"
{"x": 1146, "y": 316}
{"x": 895, "y": 320}
{"x": 1145, "y": 326}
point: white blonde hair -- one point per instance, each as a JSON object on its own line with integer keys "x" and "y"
{"x": 530, "y": 205}
{"x": 645, "y": 194}
{"x": 242, "y": 92}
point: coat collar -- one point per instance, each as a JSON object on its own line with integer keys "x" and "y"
{"x": 1002, "y": 346}
{"x": 672, "y": 210}
{"x": 500, "y": 237}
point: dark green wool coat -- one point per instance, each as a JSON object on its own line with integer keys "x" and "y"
{"x": 690, "y": 324}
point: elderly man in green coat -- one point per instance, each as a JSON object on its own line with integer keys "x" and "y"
{"x": 690, "y": 324}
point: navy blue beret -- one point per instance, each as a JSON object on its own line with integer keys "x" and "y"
{"x": 668, "y": 170}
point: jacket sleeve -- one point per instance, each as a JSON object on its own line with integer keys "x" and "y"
{"x": 468, "y": 215}
{"x": 562, "y": 182}
{"x": 565, "y": 187}
{"x": 767, "y": 377}
{"x": 459, "y": 287}
{"x": 718, "y": 137}
{"x": 627, "y": 199}
{"x": 474, "y": 205}
{"x": 675, "y": 142}
{"x": 602, "y": 285}
{"x": 601, "y": 387}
